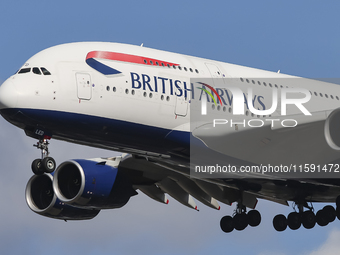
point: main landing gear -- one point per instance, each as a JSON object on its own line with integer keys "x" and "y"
{"x": 300, "y": 217}
{"x": 46, "y": 164}
{"x": 241, "y": 219}
{"x": 307, "y": 218}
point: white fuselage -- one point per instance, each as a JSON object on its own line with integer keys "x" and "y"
{"x": 142, "y": 86}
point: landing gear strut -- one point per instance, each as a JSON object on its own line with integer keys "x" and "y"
{"x": 46, "y": 164}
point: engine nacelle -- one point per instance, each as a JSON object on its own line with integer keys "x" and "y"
{"x": 332, "y": 129}
{"x": 41, "y": 199}
{"x": 91, "y": 184}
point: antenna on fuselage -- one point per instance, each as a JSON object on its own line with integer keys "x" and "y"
{"x": 142, "y": 45}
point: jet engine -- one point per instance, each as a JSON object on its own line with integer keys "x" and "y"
{"x": 92, "y": 185}
{"x": 41, "y": 199}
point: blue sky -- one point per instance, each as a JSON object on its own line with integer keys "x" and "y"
{"x": 298, "y": 37}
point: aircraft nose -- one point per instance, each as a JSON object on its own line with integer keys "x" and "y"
{"x": 8, "y": 95}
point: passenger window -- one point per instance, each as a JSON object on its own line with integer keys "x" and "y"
{"x": 36, "y": 70}
{"x": 25, "y": 70}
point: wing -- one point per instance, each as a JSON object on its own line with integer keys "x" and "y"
{"x": 313, "y": 141}
{"x": 309, "y": 142}
{"x": 155, "y": 178}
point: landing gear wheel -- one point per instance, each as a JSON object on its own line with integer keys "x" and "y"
{"x": 37, "y": 167}
{"x": 280, "y": 222}
{"x": 308, "y": 219}
{"x": 338, "y": 201}
{"x": 329, "y": 213}
{"x": 227, "y": 224}
{"x": 321, "y": 218}
{"x": 48, "y": 164}
{"x": 294, "y": 220}
{"x": 254, "y": 218}
{"x": 338, "y": 212}
{"x": 240, "y": 221}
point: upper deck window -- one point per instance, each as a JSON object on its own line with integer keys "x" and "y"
{"x": 24, "y": 70}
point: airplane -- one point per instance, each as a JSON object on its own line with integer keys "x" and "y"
{"x": 141, "y": 102}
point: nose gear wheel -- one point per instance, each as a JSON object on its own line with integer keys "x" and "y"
{"x": 46, "y": 164}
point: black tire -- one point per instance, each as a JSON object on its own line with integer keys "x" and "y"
{"x": 338, "y": 212}
{"x": 321, "y": 218}
{"x": 329, "y": 213}
{"x": 280, "y": 222}
{"x": 227, "y": 224}
{"x": 37, "y": 168}
{"x": 48, "y": 164}
{"x": 294, "y": 220}
{"x": 240, "y": 221}
{"x": 308, "y": 219}
{"x": 254, "y": 218}
{"x": 338, "y": 201}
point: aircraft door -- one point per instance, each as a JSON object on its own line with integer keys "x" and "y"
{"x": 181, "y": 108}
{"x": 84, "y": 86}
{"x": 214, "y": 70}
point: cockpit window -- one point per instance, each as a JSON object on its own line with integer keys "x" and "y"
{"x": 36, "y": 70}
{"x": 45, "y": 71}
{"x": 24, "y": 70}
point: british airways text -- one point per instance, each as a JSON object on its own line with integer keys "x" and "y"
{"x": 182, "y": 88}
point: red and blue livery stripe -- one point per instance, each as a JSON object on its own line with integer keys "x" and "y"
{"x": 91, "y": 60}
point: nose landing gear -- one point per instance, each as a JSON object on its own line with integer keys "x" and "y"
{"x": 46, "y": 164}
